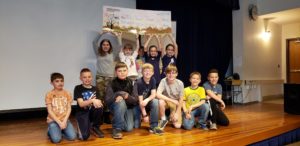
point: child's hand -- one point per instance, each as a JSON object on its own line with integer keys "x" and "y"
{"x": 146, "y": 119}
{"x": 62, "y": 125}
{"x": 119, "y": 98}
{"x": 125, "y": 95}
{"x": 188, "y": 116}
{"x": 97, "y": 103}
{"x": 175, "y": 101}
{"x": 222, "y": 105}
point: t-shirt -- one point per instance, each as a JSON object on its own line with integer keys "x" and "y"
{"x": 58, "y": 102}
{"x": 145, "y": 89}
{"x": 155, "y": 62}
{"x": 130, "y": 62}
{"x": 193, "y": 96}
{"x": 85, "y": 93}
{"x": 217, "y": 89}
{"x": 166, "y": 60}
{"x": 173, "y": 91}
{"x": 106, "y": 65}
{"x": 139, "y": 63}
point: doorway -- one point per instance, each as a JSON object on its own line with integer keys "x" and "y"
{"x": 293, "y": 61}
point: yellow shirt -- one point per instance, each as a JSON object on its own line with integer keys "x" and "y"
{"x": 193, "y": 96}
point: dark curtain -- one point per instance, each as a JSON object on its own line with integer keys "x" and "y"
{"x": 204, "y": 33}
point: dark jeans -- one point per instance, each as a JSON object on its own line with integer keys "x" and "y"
{"x": 124, "y": 118}
{"x": 152, "y": 106}
{"x": 218, "y": 116}
{"x": 86, "y": 119}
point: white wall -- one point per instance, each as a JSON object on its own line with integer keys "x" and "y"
{"x": 288, "y": 31}
{"x": 271, "y": 6}
{"x": 39, "y": 37}
{"x": 254, "y": 57}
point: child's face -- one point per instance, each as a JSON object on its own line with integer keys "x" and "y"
{"x": 105, "y": 46}
{"x": 141, "y": 52}
{"x": 213, "y": 78}
{"x": 58, "y": 84}
{"x": 127, "y": 51}
{"x": 86, "y": 78}
{"x": 147, "y": 73}
{"x": 171, "y": 76}
{"x": 195, "y": 80}
{"x": 153, "y": 52}
{"x": 170, "y": 51}
{"x": 122, "y": 73}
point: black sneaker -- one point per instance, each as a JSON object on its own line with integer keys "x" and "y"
{"x": 116, "y": 134}
{"x": 162, "y": 124}
{"x": 97, "y": 132}
{"x": 156, "y": 130}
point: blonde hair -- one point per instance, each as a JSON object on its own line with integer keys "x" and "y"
{"x": 147, "y": 66}
{"x": 170, "y": 68}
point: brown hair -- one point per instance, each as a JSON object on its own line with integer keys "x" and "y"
{"x": 169, "y": 46}
{"x": 120, "y": 65}
{"x": 213, "y": 71}
{"x": 128, "y": 46}
{"x": 55, "y": 76}
{"x": 195, "y": 73}
{"x": 85, "y": 70}
{"x": 170, "y": 68}
{"x": 100, "y": 49}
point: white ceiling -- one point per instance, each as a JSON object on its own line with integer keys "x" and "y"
{"x": 284, "y": 17}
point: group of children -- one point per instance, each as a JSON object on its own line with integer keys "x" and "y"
{"x": 130, "y": 100}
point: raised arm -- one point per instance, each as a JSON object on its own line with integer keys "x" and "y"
{"x": 163, "y": 50}
{"x": 147, "y": 43}
{"x": 95, "y": 44}
{"x": 137, "y": 43}
{"x": 157, "y": 37}
{"x": 174, "y": 43}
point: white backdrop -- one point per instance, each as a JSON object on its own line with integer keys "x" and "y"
{"x": 38, "y": 37}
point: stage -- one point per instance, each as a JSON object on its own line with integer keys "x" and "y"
{"x": 249, "y": 123}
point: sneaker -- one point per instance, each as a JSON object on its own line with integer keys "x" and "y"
{"x": 156, "y": 130}
{"x": 116, "y": 134}
{"x": 203, "y": 127}
{"x": 213, "y": 126}
{"x": 97, "y": 132}
{"x": 162, "y": 124}
{"x": 197, "y": 125}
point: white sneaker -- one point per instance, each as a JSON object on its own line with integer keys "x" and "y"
{"x": 213, "y": 126}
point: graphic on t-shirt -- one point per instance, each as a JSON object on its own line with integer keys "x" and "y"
{"x": 146, "y": 93}
{"x": 193, "y": 99}
{"x": 59, "y": 104}
{"x": 88, "y": 95}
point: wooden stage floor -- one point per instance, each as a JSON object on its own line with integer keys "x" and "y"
{"x": 248, "y": 124}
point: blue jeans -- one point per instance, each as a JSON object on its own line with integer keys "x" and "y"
{"x": 55, "y": 133}
{"x": 152, "y": 106}
{"x": 124, "y": 118}
{"x": 202, "y": 111}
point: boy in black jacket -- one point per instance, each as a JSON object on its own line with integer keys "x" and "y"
{"x": 121, "y": 98}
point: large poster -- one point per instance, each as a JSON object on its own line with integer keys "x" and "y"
{"x": 136, "y": 21}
